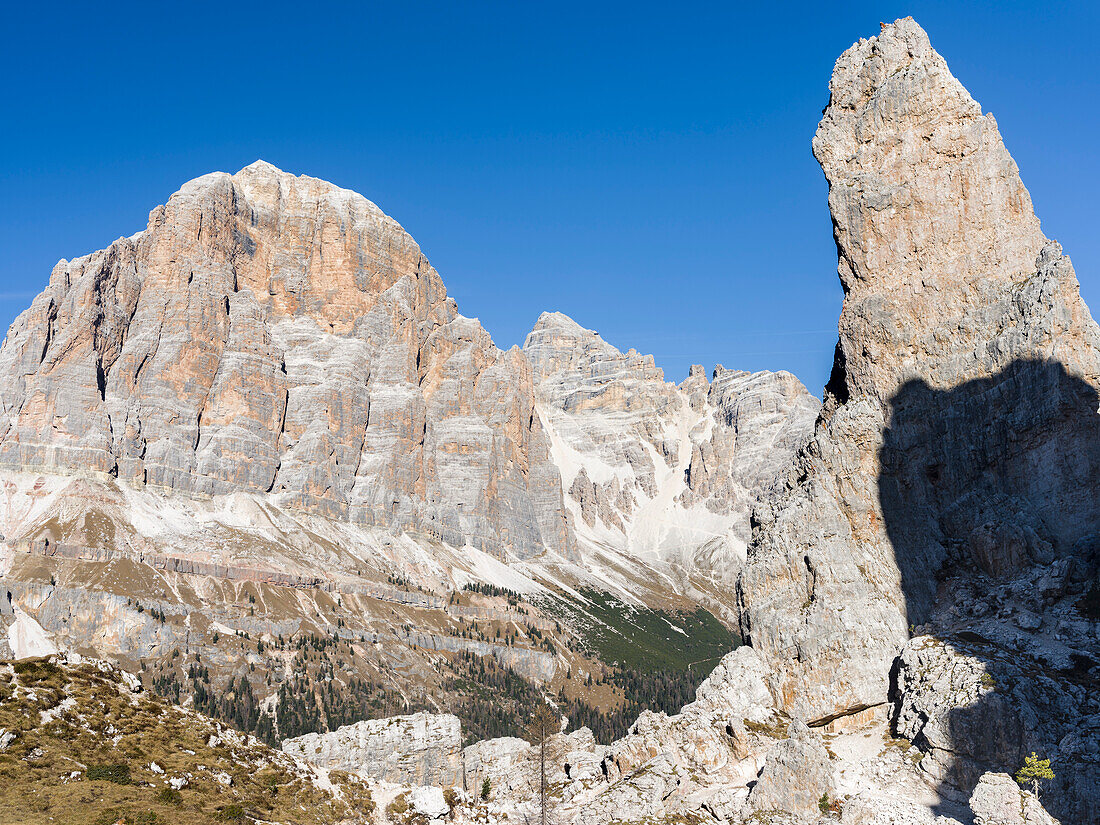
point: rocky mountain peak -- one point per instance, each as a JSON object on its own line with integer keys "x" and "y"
{"x": 558, "y": 344}
{"x": 656, "y": 469}
{"x": 959, "y": 447}
{"x": 930, "y": 217}
{"x": 279, "y": 335}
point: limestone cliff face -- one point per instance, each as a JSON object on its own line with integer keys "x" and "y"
{"x": 420, "y": 749}
{"x": 272, "y": 333}
{"x": 959, "y": 428}
{"x": 651, "y": 468}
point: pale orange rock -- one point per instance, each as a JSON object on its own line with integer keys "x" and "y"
{"x": 273, "y": 333}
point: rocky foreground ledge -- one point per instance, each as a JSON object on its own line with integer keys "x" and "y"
{"x": 730, "y": 756}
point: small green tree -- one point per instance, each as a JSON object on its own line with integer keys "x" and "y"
{"x": 1034, "y": 772}
{"x": 486, "y": 788}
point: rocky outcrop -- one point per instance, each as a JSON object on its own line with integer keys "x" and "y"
{"x": 707, "y": 743}
{"x": 708, "y": 737}
{"x": 964, "y": 360}
{"x": 998, "y": 800}
{"x": 797, "y": 777}
{"x": 421, "y": 749}
{"x": 276, "y": 334}
{"x": 949, "y": 704}
{"x": 729, "y": 756}
{"x": 651, "y": 468}
{"x": 958, "y": 445}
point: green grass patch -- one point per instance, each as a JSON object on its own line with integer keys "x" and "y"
{"x": 118, "y": 773}
{"x": 647, "y": 639}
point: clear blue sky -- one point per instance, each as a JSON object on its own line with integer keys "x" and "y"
{"x": 643, "y": 167}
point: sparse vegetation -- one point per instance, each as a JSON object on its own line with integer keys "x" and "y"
{"x": 776, "y": 727}
{"x": 90, "y": 763}
{"x": 170, "y": 796}
{"x": 650, "y": 640}
{"x": 829, "y": 807}
{"x": 398, "y": 807}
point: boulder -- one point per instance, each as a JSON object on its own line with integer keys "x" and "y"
{"x": 998, "y": 800}
{"x": 797, "y": 777}
{"x": 429, "y": 801}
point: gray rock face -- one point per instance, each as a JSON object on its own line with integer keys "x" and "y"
{"x": 658, "y": 469}
{"x": 950, "y": 705}
{"x": 957, "y": 452}
{"x": 998, "y": 800}
{"x": 797, "y": 776}
{"x": 269, "y": 333}
{"x": 421, "y": 749}
{"x": 955, "y": 305}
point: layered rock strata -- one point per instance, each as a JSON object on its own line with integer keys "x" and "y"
{"x": 276, "y": 334}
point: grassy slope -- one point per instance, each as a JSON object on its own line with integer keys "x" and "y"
{"x": 645, "y": 639}
{"x": 74, "y": 723}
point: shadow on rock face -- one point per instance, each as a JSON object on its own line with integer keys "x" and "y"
{"x": 991, "y": 497}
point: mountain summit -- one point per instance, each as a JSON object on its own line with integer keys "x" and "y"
{"x": 277, "y": 334}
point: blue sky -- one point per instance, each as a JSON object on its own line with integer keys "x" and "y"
{"x": 642, "y": 167}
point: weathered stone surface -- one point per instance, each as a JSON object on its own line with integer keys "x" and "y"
{"x": 797, "y": 777}
{"x": 998, "y": 800}
{"x": 429, "y": 801}
{"x": 272, "y": 333}
{"x": 956, "y": 458}
{"x": 949, "y": 705}
{"x": 708, "y": 736}
{"x": 421, "y": 749}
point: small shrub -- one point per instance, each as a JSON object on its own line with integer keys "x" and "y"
{"x": 170, "y": 796}
{"x": 118, "y": 773}
{"x": 829, "y": 806}
{"x": 486, "y": 788}
{"x": 230, "y": 813}
{"x": 399, "y": 806}
{"x": 450, "y": 796}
